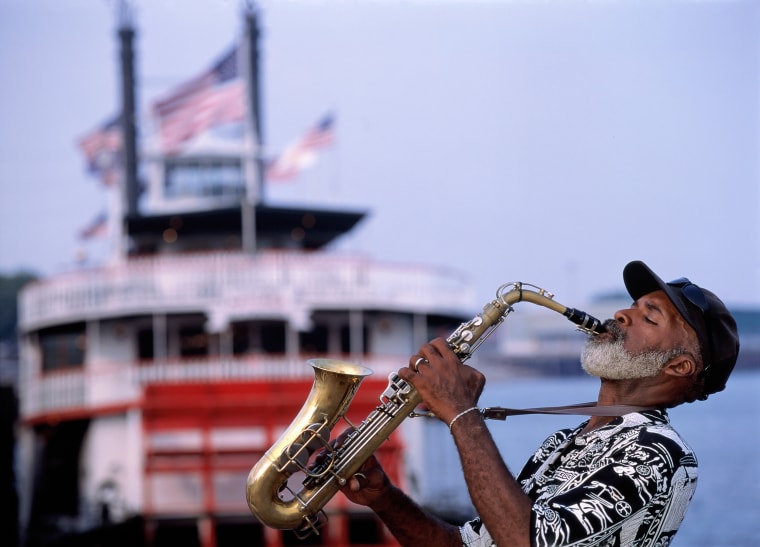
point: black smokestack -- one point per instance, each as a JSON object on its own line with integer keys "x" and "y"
{"x": 128, "y": 125}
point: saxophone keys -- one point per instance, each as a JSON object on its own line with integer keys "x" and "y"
{"x": 294, "y": 458}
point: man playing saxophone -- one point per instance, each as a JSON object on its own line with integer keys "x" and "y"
{"x": 613, "y": 480}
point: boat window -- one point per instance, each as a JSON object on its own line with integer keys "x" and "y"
{"x": 63, "y": 347}
{"x": 203, "y": 178}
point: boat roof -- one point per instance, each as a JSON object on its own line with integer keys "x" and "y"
{"x": 307, "y": 228}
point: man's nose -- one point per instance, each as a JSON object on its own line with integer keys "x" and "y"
{"x": 623, "y": 317}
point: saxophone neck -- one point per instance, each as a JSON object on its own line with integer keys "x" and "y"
{"x": 470, "y": 334}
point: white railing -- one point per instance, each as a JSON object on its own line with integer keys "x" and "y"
{"x": 269, "y": 281}
{"x": 81, "y": 390}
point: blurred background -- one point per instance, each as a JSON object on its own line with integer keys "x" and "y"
{"x": 199, "y": 196}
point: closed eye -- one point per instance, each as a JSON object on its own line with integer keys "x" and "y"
{"x": 652, "y": 309}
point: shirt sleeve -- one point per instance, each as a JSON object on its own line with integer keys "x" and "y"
{"x": 474, "y": 534}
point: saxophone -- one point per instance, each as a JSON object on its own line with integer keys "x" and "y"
{"x": 271, "y": 497}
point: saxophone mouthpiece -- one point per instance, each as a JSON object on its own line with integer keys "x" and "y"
{"x": 587, "y": 323}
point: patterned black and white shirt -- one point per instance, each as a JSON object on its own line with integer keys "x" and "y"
{"x": 628, "y": 483}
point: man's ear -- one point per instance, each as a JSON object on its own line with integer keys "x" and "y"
{"x": 683, "y": 366}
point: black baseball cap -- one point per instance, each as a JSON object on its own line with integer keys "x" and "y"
{"x": 703, "y": 311}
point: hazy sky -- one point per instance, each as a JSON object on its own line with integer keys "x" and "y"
{"x": 548, "y": 142}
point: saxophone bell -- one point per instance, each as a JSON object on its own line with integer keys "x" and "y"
{"x": 268, "y": 492}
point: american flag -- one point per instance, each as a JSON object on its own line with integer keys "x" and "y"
{"x": 103, "y": 151}
{"x": 302, "y": 154}
{"x": 215, "y": 97}
{"x": 98, "y": 227}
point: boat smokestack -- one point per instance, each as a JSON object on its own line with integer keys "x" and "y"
{"x": 128, "y": 123}
{"x": 254, "y": 165}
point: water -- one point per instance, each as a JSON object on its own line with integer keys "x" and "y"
{"x": 724, "y": 432}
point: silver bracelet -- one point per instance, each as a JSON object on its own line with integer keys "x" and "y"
{"x": 462, "y": 414}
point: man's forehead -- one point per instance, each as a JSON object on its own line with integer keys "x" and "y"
{"x": 660, "y": 301}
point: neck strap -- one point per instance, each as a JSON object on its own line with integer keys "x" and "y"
{"x": 583, "y": 409}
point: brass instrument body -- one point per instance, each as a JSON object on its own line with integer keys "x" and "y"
{"x": 335, "y": 384}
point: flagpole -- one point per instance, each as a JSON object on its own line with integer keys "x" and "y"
{"x": 253, "y": 168}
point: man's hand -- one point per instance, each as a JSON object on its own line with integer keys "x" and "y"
{"x": 407, "y": 521}
{"x": 446, "y": 385}
{"x": 369, "y": 484}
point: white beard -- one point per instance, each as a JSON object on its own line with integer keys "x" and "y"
{"x": 611, "y": 361}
